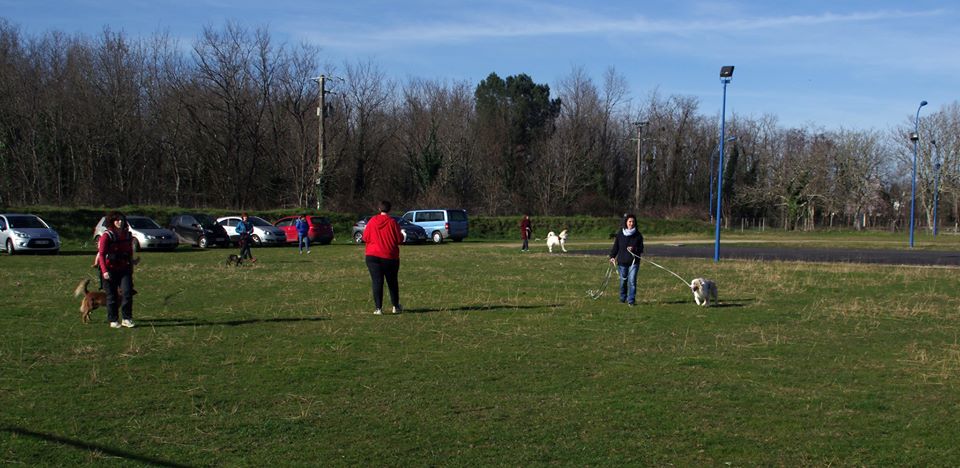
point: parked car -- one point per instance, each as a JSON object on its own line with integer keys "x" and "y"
{"x": 412, "y": 234}
{"x": 200, "y": 230}
{"x": 440, "y": 224}
{"x": 264, "y": 233}
{"x": 147, "y": 234}
{"x": 321, "y": 230}
{"x": 27, "y": 233}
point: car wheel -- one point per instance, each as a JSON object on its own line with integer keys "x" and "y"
{"x": 136, "y": 245}
{"x": 437, "y": 237}
{"x": 358, "y": 237}
{"x": 10, "y": 247}
{"x": 202, "y": 242}
{"x": 256, "y": 240}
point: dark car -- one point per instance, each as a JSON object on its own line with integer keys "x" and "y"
{"x": 411, "y": 232}
{"x": 321, "y": 230}
{"x": 199, "y": 230}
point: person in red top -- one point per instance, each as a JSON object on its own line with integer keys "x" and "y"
{"x": 526, "y": 230}
{"x": 115, "y": 257}
{"x": 382, "y": 237}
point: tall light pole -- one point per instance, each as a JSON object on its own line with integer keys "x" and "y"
{"x": 936, "y": 186}
{"x": 916, "y": 148}
{"x": 715, "y": 151}
{"x": 636, "y": 193}
{"x": 726, "y": 74}
{"x": 321, "y": 137}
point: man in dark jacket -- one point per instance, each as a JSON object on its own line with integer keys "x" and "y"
{"x": 625, "y": 254}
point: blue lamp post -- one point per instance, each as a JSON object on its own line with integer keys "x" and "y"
{"x": 726, "y": 74}
{"x": 715, "y": 151}
{"x": 936, "y": 186}
{"x": 916, "y": 148}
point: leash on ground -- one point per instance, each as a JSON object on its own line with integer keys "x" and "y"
{"x": 685, "y": 282}
{"x": 596, "y": 293}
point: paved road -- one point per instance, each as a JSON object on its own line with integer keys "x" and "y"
{"x": 889, "y": 257}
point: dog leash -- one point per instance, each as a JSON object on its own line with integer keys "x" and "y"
{"x": 596, "y": 293}
{"x": 685, "y": 282}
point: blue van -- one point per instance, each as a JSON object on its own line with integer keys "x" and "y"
{"x": 440, "y": 224}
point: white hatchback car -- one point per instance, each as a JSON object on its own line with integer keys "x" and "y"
{"x": 264, "y": 233}
{"x": 147, "y": 234}
{"x": 27, "y": 233}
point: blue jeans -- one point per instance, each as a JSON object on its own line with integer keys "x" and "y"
{"x": 628, "y": 282}
{"x": 119, "y": 289}
{"x": 303, "y": 241}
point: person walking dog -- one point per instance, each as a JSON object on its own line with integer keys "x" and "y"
{"x": 245, "y": 229}
{"x": 115, "y": 258}
{"x": 382, "y": 238}
{"x": 625, "y": 255}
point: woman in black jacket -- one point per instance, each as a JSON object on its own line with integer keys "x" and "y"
{"x": 625, "y": 254}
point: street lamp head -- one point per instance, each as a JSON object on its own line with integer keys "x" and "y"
{"x": 923, "y": 103}
{"x": 726, "y": 71}
{"x": 914, "y": 136}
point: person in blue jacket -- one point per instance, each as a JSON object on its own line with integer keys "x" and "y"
{"x": 245, "y": 229}
{"x": 303, "y": 233}
{"x": 625, "y": 254}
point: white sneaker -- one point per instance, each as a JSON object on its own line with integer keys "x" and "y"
{"x": 377, "y": 312}
{"x": 127, "y": 323}
{"x": 397, "y": 309}
{"x": 308, "y": 251}
{"x": 114, "y": 324}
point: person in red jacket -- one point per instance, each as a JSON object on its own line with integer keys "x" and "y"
{"x": 115, "y": 257}
{"x": 526, "y": 230}
{"x": 382, "y": 237}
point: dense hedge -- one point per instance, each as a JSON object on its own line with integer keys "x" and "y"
{"x": 77, "y": 223}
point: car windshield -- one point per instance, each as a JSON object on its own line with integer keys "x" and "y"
{"x": 26, "y": 222}
{"x": 258, "y": 221}
{"x": 142, "y": 223}
{"x": 205, "y": 221}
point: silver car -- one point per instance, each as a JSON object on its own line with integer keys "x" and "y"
{"x": 264, "y": 233}
{"x": 147, "y": 234}
{"x": 27, "y": 233}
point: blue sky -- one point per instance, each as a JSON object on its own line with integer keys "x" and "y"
{"x": 850, "y": 64}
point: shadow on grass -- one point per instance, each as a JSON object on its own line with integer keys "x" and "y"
{"x": 477, "y": 307}
{"x": 193, "y": 322}
{"x": 722, "y": 304}
{"x": 89, "y": 446}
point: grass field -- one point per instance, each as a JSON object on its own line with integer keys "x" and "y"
{"x": 501, "y": 359}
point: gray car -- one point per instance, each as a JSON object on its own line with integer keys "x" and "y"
{"x": 147, "y": 234}
{"x": 264, "y": 233}
{"x": 27, "y": 233}
{"x": 412, "y": 234}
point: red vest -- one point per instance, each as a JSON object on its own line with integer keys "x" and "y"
{"x": 116, "y": 251}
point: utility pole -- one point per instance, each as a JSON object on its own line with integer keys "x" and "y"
{"x": 321, "y": 137}
{"x": 636, "y": 192}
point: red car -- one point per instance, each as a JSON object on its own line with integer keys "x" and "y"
{"x": 321, "y": 231}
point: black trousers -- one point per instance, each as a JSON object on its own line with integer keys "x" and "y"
{"x": 380, "y": 269}
{"x": 119, "y": 288}
{"x": 245, "y": 242}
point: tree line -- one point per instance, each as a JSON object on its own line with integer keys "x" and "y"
{"x": 231, "y": 121}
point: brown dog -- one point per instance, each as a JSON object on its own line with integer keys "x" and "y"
{"x": 91, "y": 300}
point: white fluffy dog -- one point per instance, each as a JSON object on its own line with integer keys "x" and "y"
{"x": 554, "y": 240}
{"x": 704, "y": 291}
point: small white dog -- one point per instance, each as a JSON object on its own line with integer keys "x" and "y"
{"x": 704, "y": 291}
{"x": 554, "y": 240}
